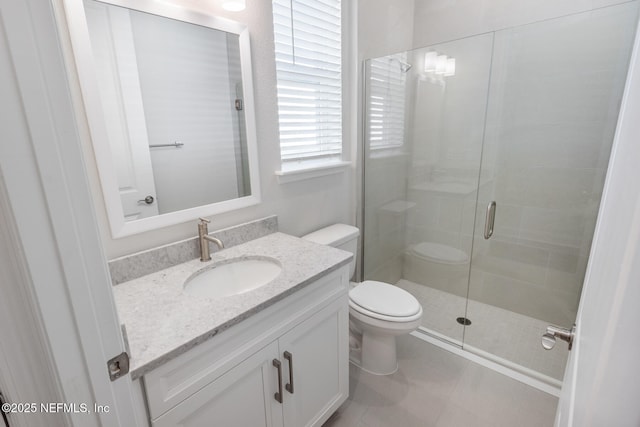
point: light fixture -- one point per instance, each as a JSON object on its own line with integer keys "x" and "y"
{"x": 450, "y": 67}
{"x": 234, "y": 5}
{"x": 430, "y": 62}
{"x": 441, "y": 64}
{"x": 437, "y": 66}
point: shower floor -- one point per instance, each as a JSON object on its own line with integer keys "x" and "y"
{"x": 504, "y": 334}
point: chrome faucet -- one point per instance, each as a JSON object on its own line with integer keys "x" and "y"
{"x": 204, "y": 239}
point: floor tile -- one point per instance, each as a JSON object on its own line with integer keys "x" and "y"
{"x": 457, "y": 416}
{"x": 434, "y": 387}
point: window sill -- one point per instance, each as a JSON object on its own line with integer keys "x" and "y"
{"x": 292, "y": 175}
{"x": 379, "y": 153}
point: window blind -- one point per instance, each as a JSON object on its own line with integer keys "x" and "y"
{"x": 308, "y": 44}
{"x": 386, "y": 102}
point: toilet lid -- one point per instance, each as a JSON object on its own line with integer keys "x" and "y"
{"x": 383, "y": 298}
{"x": 440, "y": 253}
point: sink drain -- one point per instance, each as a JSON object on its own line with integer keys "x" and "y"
{"x": 463, "y": 321}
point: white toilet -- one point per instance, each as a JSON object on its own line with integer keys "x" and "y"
{"x": 378, "y": 311}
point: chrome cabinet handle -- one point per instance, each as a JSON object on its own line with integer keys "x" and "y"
{"x": 148, "y": 200}
{"x": 289, "y": 357}
{"x": 278, "y": 366}
{"x": 489, "y": 220}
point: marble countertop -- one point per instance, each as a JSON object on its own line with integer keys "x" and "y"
{"x": 163, "y": 322}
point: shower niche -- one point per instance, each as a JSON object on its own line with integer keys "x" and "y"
{"x": 523, "y": 117}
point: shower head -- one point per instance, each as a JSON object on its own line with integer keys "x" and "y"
{"x": 404, "y": 67}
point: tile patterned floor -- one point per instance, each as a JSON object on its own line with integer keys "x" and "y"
{"x": 500, "y": 332}
{"x": 433, "y": 387}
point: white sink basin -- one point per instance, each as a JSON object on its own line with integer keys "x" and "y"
{"x": 232, "y": 278}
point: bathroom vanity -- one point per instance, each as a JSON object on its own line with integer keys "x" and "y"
{"x": 276, "y": 355}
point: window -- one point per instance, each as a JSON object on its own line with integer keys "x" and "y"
{"x": 386, "y": 102}
{"x": 308, "y": 66}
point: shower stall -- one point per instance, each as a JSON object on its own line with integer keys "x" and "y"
{"x": 484, "y": 164}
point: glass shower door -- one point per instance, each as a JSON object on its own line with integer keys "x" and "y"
{"x": 425, "y": 116}
{"x": 555, "y": 93}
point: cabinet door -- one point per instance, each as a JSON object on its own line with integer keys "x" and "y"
{"x": 317, "y": 350}
{"x": 242, "y": 397}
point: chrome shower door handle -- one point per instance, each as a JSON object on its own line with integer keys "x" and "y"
{"x": 489, "y": 220}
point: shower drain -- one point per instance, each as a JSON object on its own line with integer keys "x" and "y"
{"x": 463, "y": 321}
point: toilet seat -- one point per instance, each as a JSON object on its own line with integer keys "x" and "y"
{"x": 378, "y": 316}
{"x": 383, "y": 301}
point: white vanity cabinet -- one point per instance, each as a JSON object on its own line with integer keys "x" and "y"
{"x": 316, "y": 366}
{"x": 284, "y": 366}
{"x": 243, "y": 396}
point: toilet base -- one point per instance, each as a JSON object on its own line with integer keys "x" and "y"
{"x": 373, "y": 352}
{"x": 355, "y": 360}
{"x": 379, "y": 357}
{"x": 379, "y": 353}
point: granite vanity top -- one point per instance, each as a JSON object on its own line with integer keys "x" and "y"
{"x": 162, "y": 321}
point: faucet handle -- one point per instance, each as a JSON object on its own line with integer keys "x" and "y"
{"x": 205, "y": 220}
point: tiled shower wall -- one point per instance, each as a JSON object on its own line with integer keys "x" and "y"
{"x": 555, "y": 93}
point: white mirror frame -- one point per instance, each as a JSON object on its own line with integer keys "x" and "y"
{"x": 85, "y": 65}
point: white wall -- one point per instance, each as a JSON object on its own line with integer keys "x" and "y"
{"x": 437, "y": 21}
{"x": 384, "y": 27}
{"x": 387, "y": 27}
{"x": 301, "y": 206}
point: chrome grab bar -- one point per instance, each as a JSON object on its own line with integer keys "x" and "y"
{"x": 490, "y": 219}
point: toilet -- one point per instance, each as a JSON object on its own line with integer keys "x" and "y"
{"x": 378, "y": 311}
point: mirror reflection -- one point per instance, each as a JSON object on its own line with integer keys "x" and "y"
{"x": 172, "y": 97}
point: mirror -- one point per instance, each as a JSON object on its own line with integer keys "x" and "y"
{"x": 169, "y": 100}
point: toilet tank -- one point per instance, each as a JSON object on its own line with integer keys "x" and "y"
{"x": 341, "y": 236}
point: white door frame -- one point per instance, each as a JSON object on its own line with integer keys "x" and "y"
{"x": 42, "y": 164}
